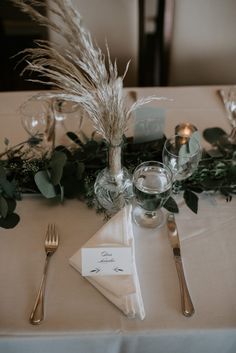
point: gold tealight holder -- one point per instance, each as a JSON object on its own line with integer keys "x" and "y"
{"x": 183, "y": 132}
{"x": 185, "y": 129}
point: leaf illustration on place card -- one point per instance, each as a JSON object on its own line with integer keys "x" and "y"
{"x": 116, "y": 269}
{"x": 96, "y": 270}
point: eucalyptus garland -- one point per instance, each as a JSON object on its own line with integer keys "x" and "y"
{"x": 71, "y": 172}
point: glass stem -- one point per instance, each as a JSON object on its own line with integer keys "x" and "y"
{"x": 176, "y": 187}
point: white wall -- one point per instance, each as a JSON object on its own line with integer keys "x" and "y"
{"x": 203, "y": 47}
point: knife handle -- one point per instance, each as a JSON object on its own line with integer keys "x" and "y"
{"x": 186, "y": 302}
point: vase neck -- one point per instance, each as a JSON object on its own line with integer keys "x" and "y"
{"x": 114, "y": 159}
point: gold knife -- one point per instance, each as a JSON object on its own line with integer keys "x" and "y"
{"x": 186, "y": 302}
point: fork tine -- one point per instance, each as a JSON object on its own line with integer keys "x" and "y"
{"x": 54, "y": 234}
{"x": 48, "y": 234}
{"x": 53, "y": 230}
{"x": 51, "y": 233}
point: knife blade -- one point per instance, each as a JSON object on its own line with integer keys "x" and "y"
{"x": 186, "y": 302}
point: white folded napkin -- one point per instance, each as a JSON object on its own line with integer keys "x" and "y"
{"x": 124, "y": 290}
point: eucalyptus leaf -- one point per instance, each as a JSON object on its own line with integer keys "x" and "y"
{"x": 187, "y": 150}
{"x": 2, "y": 173}
{"x": 69, "y": 170}
{"x": 44, "y": 184}
{"x": 191, "y": 200}
{"x": 3, "y": 207}
{"x": 194, "y": 143}
{"x": 213, "y": 135}
{"x": 11, "y": 205}
{"x": 80, "y": 170}
{"x": 70, "y": 187}
{"x": 91, "y": 147}
{"x": 232, "y": 173}
{"x": 171, "y": 206}
{"x": 61, "y": 192}
{"x": 57, "y": 164}
{"x": 10, "y": 221}
{"x": 8, "y": 187}
{"x": 196, "y": 135}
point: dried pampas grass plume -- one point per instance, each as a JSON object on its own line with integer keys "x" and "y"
{"x": 81, "y": 72}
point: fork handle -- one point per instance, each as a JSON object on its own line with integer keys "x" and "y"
{"x": 186, "y": 302}
{"x": 37, "y": 314}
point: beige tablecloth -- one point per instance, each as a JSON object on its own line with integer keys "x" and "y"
{"x": 78, "y": 318}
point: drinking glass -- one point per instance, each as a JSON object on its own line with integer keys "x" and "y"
{"x": 38, "y": 121}
{"x": 230, "y": 104}
{"x": 182, "y": 155}
{"x": 68, "y": 117}
{"x": 152, "y": 184}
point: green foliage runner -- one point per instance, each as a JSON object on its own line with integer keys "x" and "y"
{"x": 71, "y": 172}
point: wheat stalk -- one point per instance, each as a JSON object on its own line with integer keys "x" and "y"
{"x": 81, "y": 72}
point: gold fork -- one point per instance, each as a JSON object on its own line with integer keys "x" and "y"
{"x": 51, "y": 245}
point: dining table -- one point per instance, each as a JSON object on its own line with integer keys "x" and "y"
{"x": 78, "y": 318}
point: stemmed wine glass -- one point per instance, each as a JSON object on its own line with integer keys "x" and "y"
{"x": 38, "y": 122}
{"x": 68, "y": 117}
{"x": 152, "y": 184}
{"x": 230, "y": 105}
{"x": 182, "y": 155}
{"x": 229, "y": 99}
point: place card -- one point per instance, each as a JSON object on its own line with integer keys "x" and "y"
{"x": 106, "y": 261}
{"x": 149, "y": 123}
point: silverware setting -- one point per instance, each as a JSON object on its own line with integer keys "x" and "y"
{"x": 186, "y": 302}
{"x": 51, "y": 245}
{"x": 52, "y": 242}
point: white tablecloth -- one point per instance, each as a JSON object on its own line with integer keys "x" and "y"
{"x": 78, "y": 318}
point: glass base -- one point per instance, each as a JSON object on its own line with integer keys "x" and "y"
{"x": 148, "y": 219}
{"x": 113, "y": 192}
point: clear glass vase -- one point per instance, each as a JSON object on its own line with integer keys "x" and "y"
{"x": 113, "y": 185}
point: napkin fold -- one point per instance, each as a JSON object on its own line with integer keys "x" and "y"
{"x": 124, "y": 290}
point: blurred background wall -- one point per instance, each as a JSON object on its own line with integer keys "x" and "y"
{"x": 169, "y": 42}
{"x": 127, "y": 25}
{"x": 203, "y": 43}
{"x": 17, "y": 32}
